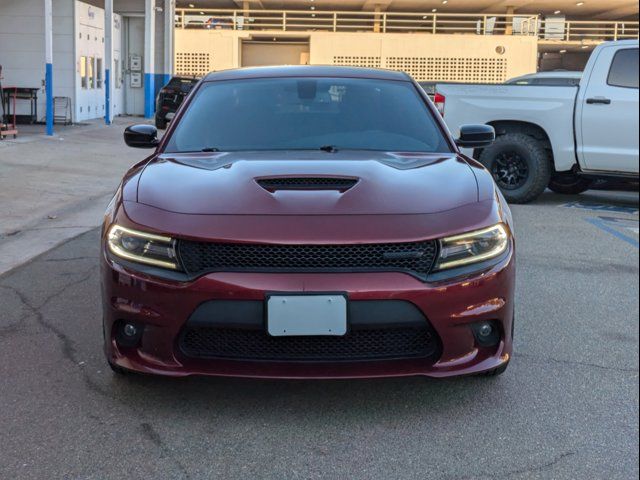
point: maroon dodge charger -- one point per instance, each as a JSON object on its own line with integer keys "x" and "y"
{"x": 308, "y": 222}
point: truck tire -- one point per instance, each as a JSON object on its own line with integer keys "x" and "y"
{"x": 569, "y": 183}
{"x": 160, "y": 123}
{"x": 520, "y": 166}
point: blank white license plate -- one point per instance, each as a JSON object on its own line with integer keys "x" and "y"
{"x": 306, "y": 315}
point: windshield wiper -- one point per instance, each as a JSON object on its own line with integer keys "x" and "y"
{"x": 329, "y": 149}
{"x": 210, "y": 149}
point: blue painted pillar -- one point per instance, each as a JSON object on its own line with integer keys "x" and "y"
{"x": 149, "y": 95}
{"x": 108, "y": 57}
{"x": 149, "y": 58}
{"x": 48, "y": 74}
{"x": 107, "y": 96}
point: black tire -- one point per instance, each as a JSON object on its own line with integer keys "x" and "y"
{"x": 496, "y": 372}
{"x": 520, "y": 165}
{"x": 569, "y": 184}
{"x": 161, "y": 124}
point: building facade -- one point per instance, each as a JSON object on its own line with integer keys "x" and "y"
{"x": 110, "y": 57}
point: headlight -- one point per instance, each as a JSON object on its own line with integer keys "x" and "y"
{"x": 143, "y": 247}
{"x": 472, "y": 247}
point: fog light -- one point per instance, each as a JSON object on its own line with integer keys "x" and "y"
{"x": 484, "y": 330}
{"x": 130, "y": 330}
{"x": 487, "y": 334}
{"x": 128, "y": 334}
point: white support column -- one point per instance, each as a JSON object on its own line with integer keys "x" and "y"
{"x": 149, "y": 57}
{"x": 48, "y": 76}
{"x": 108, "y": 60}
{"x": 169, "y": 44}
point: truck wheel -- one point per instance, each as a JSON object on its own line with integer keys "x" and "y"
{"x": 569, "y": 183}
{"x": 519, "y": 165}
{"x": 161, "y": 124}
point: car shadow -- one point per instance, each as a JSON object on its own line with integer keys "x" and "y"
{"x": 303, "y": 398}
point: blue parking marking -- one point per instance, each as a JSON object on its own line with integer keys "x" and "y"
{"x": 607, "y": 224}
{"x": 602, "y": 207}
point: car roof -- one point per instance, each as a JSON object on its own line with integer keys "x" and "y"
{"x": 306, "y": 71}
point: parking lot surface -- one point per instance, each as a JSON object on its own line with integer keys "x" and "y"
{"x": 566, "y": 408}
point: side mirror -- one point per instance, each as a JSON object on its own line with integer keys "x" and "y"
{"x": 476, "y": 136}
{"x": 141, "y": 136}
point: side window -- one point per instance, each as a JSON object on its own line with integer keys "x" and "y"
{"x": 624, "y": 69}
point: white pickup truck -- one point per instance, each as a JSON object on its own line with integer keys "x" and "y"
{"x": 564, "y": 138}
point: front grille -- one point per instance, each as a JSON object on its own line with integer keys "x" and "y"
{"x": 365, "y": 344}
{"x": 201, "y": 257}
{"x": 303, "y": 183}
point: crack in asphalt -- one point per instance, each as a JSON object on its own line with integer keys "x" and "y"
{"x": 575, "y": 363}
{"x": 69, "y": 351}
{"x": 519, "y": 471}
{"x": 54, "y": 260}
{"x": 539, "y": 468}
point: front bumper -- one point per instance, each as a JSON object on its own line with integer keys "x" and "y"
{"x": 452, "y": 307}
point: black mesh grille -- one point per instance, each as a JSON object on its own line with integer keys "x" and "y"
{"x": 200, "y": 257}
{"x": 295, "y": 183}
{"x": 369, "y": 344}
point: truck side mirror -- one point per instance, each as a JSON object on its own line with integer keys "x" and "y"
{"x": 141, "y": 136}
{"x": 476, "y": 136}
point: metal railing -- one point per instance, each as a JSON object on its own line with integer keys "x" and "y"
{"x": 343, "y": 21}
{"x": 579, "y": 31}
{"x": 400, "y": 22}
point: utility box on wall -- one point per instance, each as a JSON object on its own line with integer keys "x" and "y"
{"x": 136, "y": 80}
{"x": 135, "y": 63}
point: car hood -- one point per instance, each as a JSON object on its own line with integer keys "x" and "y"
{"x": 260, "y": 183}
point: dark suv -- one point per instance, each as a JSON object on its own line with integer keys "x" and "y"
{"x": 170, "y": 97}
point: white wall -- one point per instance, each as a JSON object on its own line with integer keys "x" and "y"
{"x": 22, "y": 48}
{"x": 117, "y": 72}
{"x": 89, "y": 49}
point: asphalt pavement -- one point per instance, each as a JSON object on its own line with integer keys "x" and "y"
{"x": 567, "y": 408}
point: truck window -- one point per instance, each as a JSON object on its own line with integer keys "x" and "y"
{"x": 624, "y": 69}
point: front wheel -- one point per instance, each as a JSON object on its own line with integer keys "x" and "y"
{"x": 569, "y": 184}
{"x": 520, "y": 166}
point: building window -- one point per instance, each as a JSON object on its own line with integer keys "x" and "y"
{"x": 83, "y": 72}
{"x": 91, "y": 72}
{"x": 98, "y": 73}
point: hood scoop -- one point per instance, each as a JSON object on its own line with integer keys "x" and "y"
{"x": 341, "y": 184}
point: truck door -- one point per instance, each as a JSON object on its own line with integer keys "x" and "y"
{"x": 607, "y": 112}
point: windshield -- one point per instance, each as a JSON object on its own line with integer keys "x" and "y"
{"x": 308, "y": 114}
